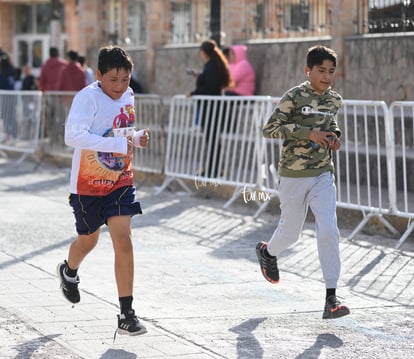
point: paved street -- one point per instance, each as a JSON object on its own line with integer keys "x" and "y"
{"x": 198, "y": 287}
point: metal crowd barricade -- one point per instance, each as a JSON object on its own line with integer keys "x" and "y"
{"x": 268, "y": 181}
{"x": 214, "y": 140}
{"x": 364, "y": 163}
{"x": 56, "y": 106}
{"x": 402, "y": 138}
{"x": 149, "y": 113}
{"x": 20, "y": 122}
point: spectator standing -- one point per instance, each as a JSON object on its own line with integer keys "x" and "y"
{"x": 134, "y": 84}
{"x": 8, "y": 103}
{"x": 214, "y": 77}
{"x": 29, "y": 81}
{"x": 90, "y": 76}
{"x": 30, "y": 106}
{"x": 51, "y": 70}
{"x": 6, "y": 73}
{"x": 73, "y": 76}
{"x": 17, "y": 72}
{"x": 242, "y": 72}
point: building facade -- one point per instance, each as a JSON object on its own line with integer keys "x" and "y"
{"x": 165, "y": 34}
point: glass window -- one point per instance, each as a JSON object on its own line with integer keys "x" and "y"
{"x": 23, "y": 53}
{"x": 42, "y": 18}
{"x": 181, "y": 22}
{"x": 37, "y": 50}
{"x": 23, "y": 19}
{"x": 297, "y": 17}
{"x": 136, "y": 23}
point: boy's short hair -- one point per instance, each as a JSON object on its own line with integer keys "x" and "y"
{"x": 114, "y": 57}
{"x": 317, "y": 54}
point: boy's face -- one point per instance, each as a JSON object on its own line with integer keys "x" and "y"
{"x": 321, "y": 76}
{"x": 114, "y": 82}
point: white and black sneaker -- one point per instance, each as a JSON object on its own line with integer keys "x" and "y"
{"x": 128, "y": 324}
{"x": 69, "y": 288}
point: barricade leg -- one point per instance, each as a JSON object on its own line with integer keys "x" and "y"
{"x": 407, "y": 232}
{"x": 366, "y": 219}
{"x": 168, "y": 181}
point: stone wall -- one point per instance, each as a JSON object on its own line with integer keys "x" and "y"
{"x": 375, "y": 68}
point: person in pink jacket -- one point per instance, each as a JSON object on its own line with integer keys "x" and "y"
{"x": 242, "y": 72}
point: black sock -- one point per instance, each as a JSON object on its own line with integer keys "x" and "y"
{"x": 126, "y": 304}
{"x": 329, "y": 292}
{"x": 71, "y": 272}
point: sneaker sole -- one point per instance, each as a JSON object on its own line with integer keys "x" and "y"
{"x": 259, "y": 255}
{"x": 340, "y": 312}
{"x": 125, "y": 332}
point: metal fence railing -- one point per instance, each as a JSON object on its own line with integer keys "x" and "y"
{"x": 20, "y": 122}
{"x": 217, "y": 140}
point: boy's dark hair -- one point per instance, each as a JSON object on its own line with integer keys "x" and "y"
{"x": 317, "y": 54}
{"x": 114, "y": 57}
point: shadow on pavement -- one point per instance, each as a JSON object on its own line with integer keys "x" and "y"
{"x": 322, "y": 340}
{"x": 25, "y": 350}
{"x": 117, "y": 354}
{"x": 248, "y": 347}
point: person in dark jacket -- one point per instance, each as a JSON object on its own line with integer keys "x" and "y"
{"x": 214, "y": 77}
{"x": 29, "y": 81}
{"x": 8, "y": 103}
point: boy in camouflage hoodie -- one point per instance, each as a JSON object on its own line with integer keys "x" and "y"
{"x": 305, "y": 119}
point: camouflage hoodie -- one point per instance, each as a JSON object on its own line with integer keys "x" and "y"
{"x": 300, "y": 110}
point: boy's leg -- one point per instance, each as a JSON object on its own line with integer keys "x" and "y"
{"x": 68, "y": 270}
{"x": 322, "y": 200}
{"x": 293, "y": 205}
{"x": 120, "y": 230}
{"x": 80, "y": 248}
{"x": 323, "y": 205}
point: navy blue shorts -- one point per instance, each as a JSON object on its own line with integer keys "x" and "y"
{"x": 91, "y": 212}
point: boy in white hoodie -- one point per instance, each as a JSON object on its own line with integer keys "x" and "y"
{"x": 100, "y": 128}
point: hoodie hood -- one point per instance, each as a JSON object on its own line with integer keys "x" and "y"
{"x": 240, "y": 53}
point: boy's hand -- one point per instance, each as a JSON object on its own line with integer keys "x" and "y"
{"x": 325, "y": 139}
{"x": 141, "y": 138}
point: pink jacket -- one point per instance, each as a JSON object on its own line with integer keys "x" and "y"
{"x": 242, "y": 72}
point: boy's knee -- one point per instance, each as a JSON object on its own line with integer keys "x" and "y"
{"x": 123, "y": 246}
{"x": 88, "y": 242}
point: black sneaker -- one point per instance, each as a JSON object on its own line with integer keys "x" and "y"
{"x": 69, "y": 289}
{"x": 334, "y": 309}
{"x": 268, "y": 263}
{"x": 129, "y": 324}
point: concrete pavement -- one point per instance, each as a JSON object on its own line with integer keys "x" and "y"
{"x": 198, "y": 287}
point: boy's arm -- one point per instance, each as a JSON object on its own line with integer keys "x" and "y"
{"x": 78, "y": 132}
{"x": 280, "y": 124}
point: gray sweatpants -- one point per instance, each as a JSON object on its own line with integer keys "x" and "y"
{"x": 296, "y": 196}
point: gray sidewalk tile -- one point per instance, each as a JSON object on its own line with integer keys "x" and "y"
{"x": 198, "y": 287}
